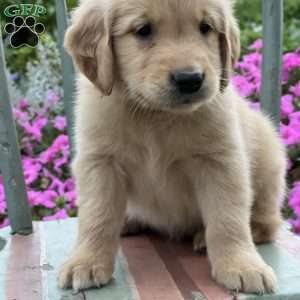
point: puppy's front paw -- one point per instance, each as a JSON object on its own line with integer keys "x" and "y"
{"x": 250, "y": 275}
{"x": 84, "y": 272}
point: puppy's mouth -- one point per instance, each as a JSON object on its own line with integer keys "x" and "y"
{"x": 187, "y": 101}
{"x": 171, "y": 100}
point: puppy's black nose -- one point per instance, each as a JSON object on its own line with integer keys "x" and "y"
{"x": 187, "y": 81}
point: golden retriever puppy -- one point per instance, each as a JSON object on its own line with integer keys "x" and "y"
{"x": 163, "y": 140}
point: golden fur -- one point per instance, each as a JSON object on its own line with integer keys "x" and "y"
{"x": 212, "y": 165}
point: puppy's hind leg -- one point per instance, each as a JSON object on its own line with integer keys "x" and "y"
{"x": 266, "y": 216}
{"x": 269, "y": 189}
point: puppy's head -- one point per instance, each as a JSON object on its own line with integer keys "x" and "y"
{"x": 169, "y": 54}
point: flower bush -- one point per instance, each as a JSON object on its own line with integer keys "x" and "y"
{"x": 46, "y": 153}
{"x": 46, "y": 158}
{"x": 247, "y": 80}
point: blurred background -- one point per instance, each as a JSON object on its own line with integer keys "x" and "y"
{"x": 247, "y": 11}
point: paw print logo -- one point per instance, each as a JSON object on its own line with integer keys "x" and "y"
{"x": 24, "y": 32}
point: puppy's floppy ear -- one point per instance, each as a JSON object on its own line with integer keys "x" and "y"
{"x": 229, "y": 41}
{"x": 88, "y": 41}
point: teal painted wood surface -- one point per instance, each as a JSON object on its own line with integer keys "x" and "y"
{"x": 4, "y": 258}
{"x": 67, "y": 68}
{"x": 52, "y": 242}
{"x": 287, "y": 270}
{"x": 272, "y": 58}
{"x": 10, "y": 161}
{"x": 62, "y": 244}
{"x": 56, "y": 242}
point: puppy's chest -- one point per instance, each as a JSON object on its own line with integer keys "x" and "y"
{"x": 163, "y": 186}
{"x": 157, "y": 146}
{"x": 161, "y": 163}
{"x": 164, "y": 157}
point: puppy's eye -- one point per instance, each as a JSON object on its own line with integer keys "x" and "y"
{"x": 145, "y": 31}
{"x": 205, "y": 28}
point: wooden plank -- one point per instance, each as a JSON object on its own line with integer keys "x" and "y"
{"x": 10, "y": 161}
{"x": 190, "y": 270}
{"x": 169, "y": 254}
{"x": 23, "y": 277}
{"x": 4, "y": 258}
{"x": 67, "y": 68}
{"x": 159, "y": 269}
{"x": 58, "y": 248}
{"x": 153, "y": 280}
{"x": 272, "y": 58}
{"x": 286, "y": 265}
{"x": 198, "y": 268}
{"x": 289, "y": 241}
{"x": 58, "y": 237}
{"x": 121, "y": 287}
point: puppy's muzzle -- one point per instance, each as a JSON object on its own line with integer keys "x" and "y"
{"x": 187, "y": 82}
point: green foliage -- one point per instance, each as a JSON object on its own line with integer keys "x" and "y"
{"x": 247, "y": 11}
{"x": 18, "y": 58}
{"x": 250, "y": 19}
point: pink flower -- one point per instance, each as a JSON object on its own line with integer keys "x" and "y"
{"x": 294, "y": 203}
{"x": 20, "y": 116}
{"x": 294, "y": 199}
{"x": 70, "y": 193}
{"x": 291, "y": 61}
{"x": 46, "y": 199}
{"x": 290, "y": 135}
{"x": 60, "y": 123}
{"x": 2, "y": 200}
{"x": 244, "y": 87}
{"x": 59, "y": 146}
{"x": 296, "y": 225}
{"x": 52, "y": 98}
{"x": 27, "y": 145}
{"x": 254, "y": 59}
{"x": 287, "y": 106}
{"x": 59, "y": 162}
{"x": 296, "y": 89}
{"x": 34, "y": 129}
{"x": 295, "y": 117}
{"x": 61, "y": 214}
{"x": 33, "y": 197}
{"x": 23, "y": 104}
{"x": 57, "y": 185}
{"x": 70, "y": 184}
{"x": 49, "y": 199}
{"x": 5, "y": 223}
{"x": 257, "y": 45}
{"x": 71, "y": 198}
{"x": 32, "y": 170}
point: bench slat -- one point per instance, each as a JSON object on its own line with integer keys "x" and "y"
{"x": 67, "y": 68}
{"x": 10, "y": 161}
{"x": 144, "y": 268}
{"x": 272, "y": 58}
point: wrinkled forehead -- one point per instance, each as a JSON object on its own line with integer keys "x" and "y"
{"x": 136, "y": 12}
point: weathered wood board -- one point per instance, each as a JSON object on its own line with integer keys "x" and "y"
{"x": 147, "y": 268}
